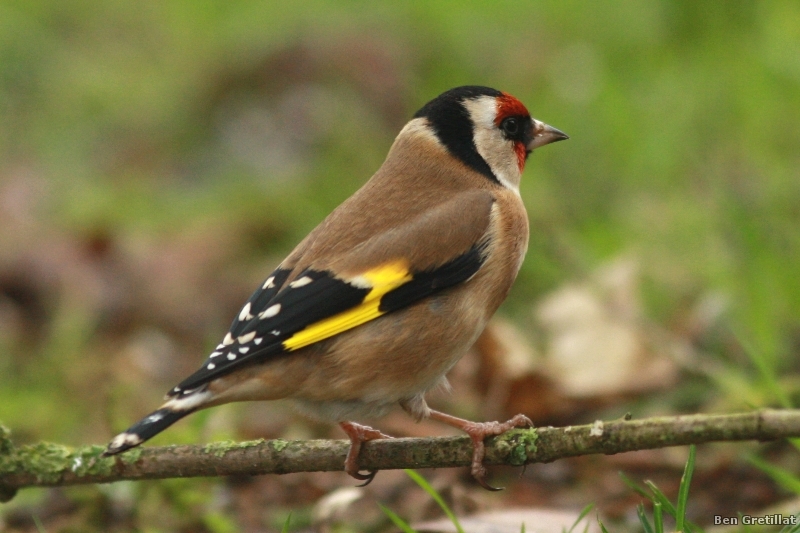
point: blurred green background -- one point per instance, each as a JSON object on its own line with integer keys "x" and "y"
{"x": 158, "y": 158}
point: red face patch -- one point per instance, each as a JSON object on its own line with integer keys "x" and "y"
{"x": 522, "y": 155}
{"x": 508, "y": 106}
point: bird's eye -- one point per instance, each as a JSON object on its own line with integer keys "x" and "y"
{"x": 510, "y": 126}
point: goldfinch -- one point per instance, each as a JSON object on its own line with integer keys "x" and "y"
{"x": 381, "y": 299}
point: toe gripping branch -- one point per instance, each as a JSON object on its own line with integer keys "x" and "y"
{"x": 478, "y": 431}
{"x": 358, "y": 435}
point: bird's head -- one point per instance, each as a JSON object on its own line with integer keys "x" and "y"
{"x": 488, "y": 130}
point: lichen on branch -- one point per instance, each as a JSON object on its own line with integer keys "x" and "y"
{"x": 46, "y": 464}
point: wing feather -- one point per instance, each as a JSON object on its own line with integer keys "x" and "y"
{"x": 316, "y": 304}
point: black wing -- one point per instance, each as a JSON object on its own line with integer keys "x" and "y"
{"x": 317, "y": 305}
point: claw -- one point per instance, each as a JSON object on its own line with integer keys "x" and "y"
{"x": 478, "y": 431}
{"x": 358, "y": 435}
{"x": 482, "y": 482}
{"x": 367, "y": 478}
{"x": 364, "y": 477}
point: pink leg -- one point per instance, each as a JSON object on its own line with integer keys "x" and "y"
{"x": 358, "y": 435}
{"x": 478, "y": 431}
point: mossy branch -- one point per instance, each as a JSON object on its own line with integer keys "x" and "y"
{"x": 46, "y": 464}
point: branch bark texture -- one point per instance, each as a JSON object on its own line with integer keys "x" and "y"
{"x": 46, "y": 464}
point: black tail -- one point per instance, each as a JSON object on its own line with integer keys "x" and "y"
{"x": 146, "y": 428}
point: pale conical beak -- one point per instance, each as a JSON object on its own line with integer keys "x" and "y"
{"x": 544, "y": 134}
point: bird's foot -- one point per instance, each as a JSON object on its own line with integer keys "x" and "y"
{"x": 358, "y": 435}
{"x": 478, "y": 431}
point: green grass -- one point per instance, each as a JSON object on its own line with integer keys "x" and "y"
{"x": 781, "y": 476}
{"x": 423, "y": 483}
{"x": 662, "y": 504}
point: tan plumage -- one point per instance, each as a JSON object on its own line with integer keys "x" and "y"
{"x": 411, "y": 267}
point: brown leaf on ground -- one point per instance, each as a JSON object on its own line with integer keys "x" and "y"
{"x": 512, "y": 520}
{"x": 598, "y": 341}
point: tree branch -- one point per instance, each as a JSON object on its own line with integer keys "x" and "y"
{"x": 55, "y": 465}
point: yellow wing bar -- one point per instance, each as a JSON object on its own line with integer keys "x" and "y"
{"x": 381, "y": 280}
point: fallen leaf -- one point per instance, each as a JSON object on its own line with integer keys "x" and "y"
{"x": 511, "y": 521}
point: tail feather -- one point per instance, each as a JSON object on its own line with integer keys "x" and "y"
{"x": 146, "y": 428}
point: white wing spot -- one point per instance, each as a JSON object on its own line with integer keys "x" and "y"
{"x": 244, "y": 314}
{"x": 232, "y": 356}
{"x": 211, "y": 366}
{"x": 275, "y": 332}
{"x": 244, "y": 349}
{"x": 270, "y": 311}
{"x": 125, "y": 438}
{"x": 258, "y": 341}
{"x": 215, "y": 354}
{"x": 270, "y": 283}
{"x": 228, "y": 340}
{"x": 188, "y": 402}
{"x": 360, "y": 282}
{"x": 305, "y": 280}
{"x": 155, "y": 417}
{"x": 244, "y": 339}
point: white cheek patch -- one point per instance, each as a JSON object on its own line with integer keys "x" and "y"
{"x": 482, "y": 111}
{"x": 493, "y": 147}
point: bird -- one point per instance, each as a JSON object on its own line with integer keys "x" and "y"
{"x": 378, "y": 302}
